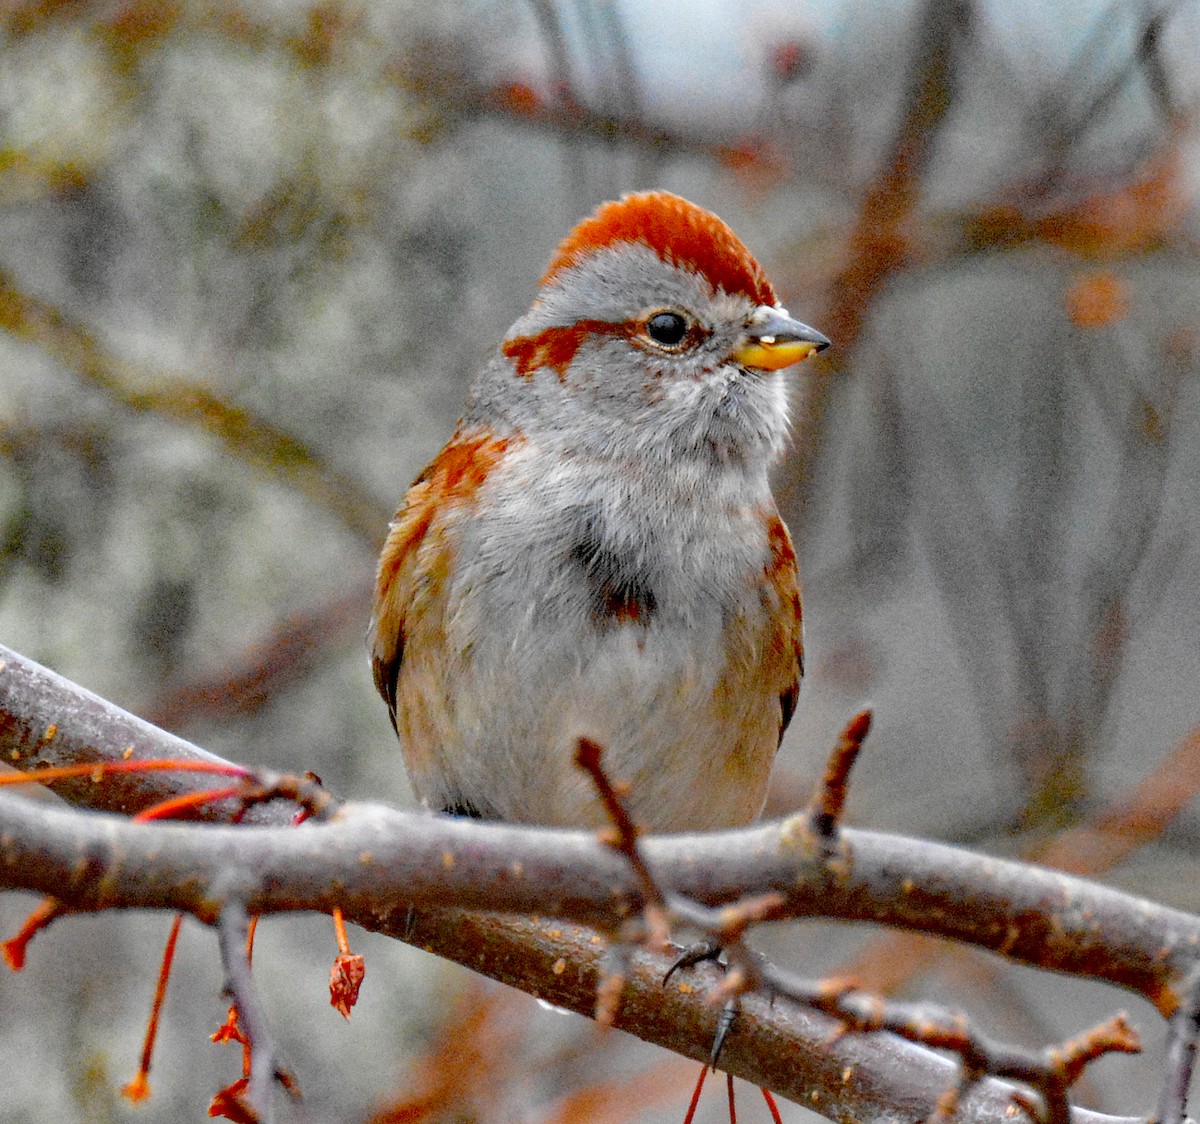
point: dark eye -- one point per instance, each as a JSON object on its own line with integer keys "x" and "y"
{"x": 667, "y": 328}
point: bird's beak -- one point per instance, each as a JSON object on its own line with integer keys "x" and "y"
{"x": 774, "y": 340}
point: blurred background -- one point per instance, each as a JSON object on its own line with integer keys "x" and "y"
{"x": 251, "y": 252}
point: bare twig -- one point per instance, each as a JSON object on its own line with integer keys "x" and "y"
{"x": 1050, "y": 1072}
{"x": 878, "y": 245}
{"x": 829, "y": 800}
{"x": 625, "y": 841}
{"x": 277, "y": 659}
{"x": 1181, "y": 1055}
{"x": 306, "y": 791}
{"x": 232, "y": 929}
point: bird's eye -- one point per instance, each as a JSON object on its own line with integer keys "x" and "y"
{"x": 667, "y": 328}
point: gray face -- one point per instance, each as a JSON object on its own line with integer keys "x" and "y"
{"x": 596, "y": 373}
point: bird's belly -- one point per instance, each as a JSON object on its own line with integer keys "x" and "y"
{"x": 676, "y": 723}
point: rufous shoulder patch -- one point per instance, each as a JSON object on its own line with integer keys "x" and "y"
{"x": 449, "y": 481}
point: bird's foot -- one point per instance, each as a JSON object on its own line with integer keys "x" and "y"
{"x": 689, "y": 958}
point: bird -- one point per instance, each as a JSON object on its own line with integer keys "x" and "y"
{"x": 597, "y": 552}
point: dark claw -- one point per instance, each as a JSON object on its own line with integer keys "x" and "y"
{"x": 695, "y": 954}
{"x": 729, "y": 1014}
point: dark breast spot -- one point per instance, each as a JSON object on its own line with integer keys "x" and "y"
{"x": 620, "y": 586}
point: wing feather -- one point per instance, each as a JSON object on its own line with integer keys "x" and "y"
{"x": 416, "y": 559}
{"x": 788, "y": 642}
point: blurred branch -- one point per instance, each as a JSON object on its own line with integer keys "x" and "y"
{"x": 437, "y": 76}
{"x": 878, "y": 243}
{"x": 251, "y": 678}
{"x": 247, "y": 436}
{"x": 1098, "y": 218}
{"x": 1133, "y": 820}
{"x": 1061, "y": 125}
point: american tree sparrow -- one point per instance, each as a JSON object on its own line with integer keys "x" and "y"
{"x": 597, "y": 550}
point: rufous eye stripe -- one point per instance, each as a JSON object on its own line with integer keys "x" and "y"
{"x": 556, "y": 347}
{"x": 679, "y": 232}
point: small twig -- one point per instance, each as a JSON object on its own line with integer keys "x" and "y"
{"x": 15, "y": 947}
{"x": 1050, "y": 1072}
{"x": 252, "y": 788}
{"x": 138, "y": 1088}
{"x": 1182, "y": 1034}
{"x": 624, "y": 840}
{"x": 100, "y": 770}
{"x": 261, "y": 787}
{"x": 304, "y": 789}
{"x": 1115, "y": 1036}
{"x": 727, "y": 924}
{"x": 828, "y": 803}
{"x": 233, "y": 927}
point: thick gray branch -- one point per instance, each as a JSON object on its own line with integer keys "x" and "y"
{"x": 374, "y": 861}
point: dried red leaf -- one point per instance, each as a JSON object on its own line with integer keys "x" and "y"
{"x": 345, "y": 978}
{"x": 231, "y": 1103}
{"x": 230, "y": 1031}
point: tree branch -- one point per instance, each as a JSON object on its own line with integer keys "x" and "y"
{"x": 375, "y": 862}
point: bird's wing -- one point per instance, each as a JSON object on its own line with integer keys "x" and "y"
{"x": 395, "y": 586}
{"x": 415, "y": 567}
{"x": 786, "y": 645}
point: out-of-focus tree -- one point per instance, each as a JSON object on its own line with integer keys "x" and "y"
{"x": 250, "y": 254}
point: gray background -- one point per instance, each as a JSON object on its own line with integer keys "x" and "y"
{"x": 325, "y": 216}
